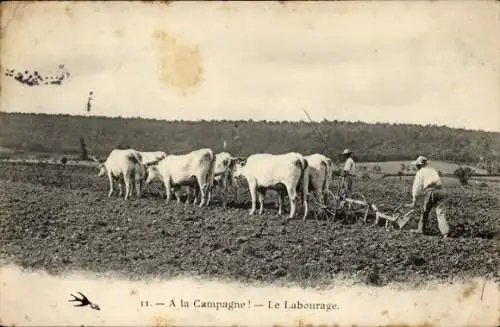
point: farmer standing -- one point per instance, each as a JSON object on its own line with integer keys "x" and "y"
{"x": 428, "y": 182}
{"x": 348, "y": 171}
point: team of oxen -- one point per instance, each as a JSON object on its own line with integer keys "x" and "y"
{"x": 201, "y": 171}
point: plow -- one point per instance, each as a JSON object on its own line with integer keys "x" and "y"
{"x": 356, "y": 205}
{"x": 399, "y": 216}
{"x": 353, "y": 205}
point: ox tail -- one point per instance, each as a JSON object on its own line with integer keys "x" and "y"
{"x": 209, "y": 177}
{"x": 303, "y": 185}
{"x": 139, "y": 169}
{"x": 138, "y": 156}
{"x": 303, "y": 180}
{"x": 134, "y": 158}
{"x": 133, "y": 166}
{"x": 326, "y": 180}
{"x": 210, "y": 157}
{"x": 329, "y": 172}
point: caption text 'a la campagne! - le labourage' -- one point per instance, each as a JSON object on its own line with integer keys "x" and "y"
{"x": 235, "y": 305}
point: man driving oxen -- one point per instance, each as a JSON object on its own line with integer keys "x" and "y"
{"x": 348, "y": 172}
{"x": 428, "y": 182}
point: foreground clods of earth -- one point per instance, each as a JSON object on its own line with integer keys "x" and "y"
{"x": 59, "y": 218}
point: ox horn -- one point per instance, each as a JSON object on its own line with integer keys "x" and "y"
{"x": 94, "y": 158}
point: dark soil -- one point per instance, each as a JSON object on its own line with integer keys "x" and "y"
{"x": 59, "y": 218}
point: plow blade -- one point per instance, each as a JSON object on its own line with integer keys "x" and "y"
{"x": 402, "y": 221}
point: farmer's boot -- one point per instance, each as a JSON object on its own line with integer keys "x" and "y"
{"x": 418, "y": 230}
{"x": 421, "y": 224}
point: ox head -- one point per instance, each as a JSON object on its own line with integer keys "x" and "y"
{"x": 100, "y": 166}
{"x": 160, "y": 155}
{"x": 143, "y": 170}
{"x": 237, "y": 165}
{"x": 153, "y": 158}
{"x": 152, "y": 172}
{"x": 227, "y": 175}
{"x": 102, "y": 171}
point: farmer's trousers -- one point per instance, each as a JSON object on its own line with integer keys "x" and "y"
{"x": 434, "y": 198}
{"x": 347, "y": 185}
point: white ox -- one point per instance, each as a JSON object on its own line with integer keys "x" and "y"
{"x": 192, "y": 169}
{"x": 320, "y": 173}
{"x": 124, "y": 165}
{"x": 222, "y": 177}
{"x": 265, "y": 171}
{"x": 152, "y": 157}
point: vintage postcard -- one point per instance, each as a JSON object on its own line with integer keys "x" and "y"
{"x": 286, "y": 163}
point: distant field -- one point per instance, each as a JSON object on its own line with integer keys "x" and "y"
{"x": 371, "y": 142}
{"x": 388, "y": 167}
{"x": 393, "y": 167}
{"x": 452, "y": 181}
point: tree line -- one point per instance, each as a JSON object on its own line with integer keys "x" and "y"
{"x": 370, "y": 142}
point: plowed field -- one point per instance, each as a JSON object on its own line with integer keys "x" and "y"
{"x": 59, "y": 218}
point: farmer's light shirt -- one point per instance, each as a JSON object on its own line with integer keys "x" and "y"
{"x": 349, "y": 166}
{"x": 424, "y": 177}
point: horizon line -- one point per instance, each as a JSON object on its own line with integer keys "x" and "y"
{"x": 200, "y": 120}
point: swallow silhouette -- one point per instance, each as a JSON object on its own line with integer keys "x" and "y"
{"x": 84, "y": 301}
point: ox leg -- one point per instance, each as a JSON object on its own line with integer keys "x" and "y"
{"x": 204, "y": 190}
{"x": 325, "y": 195}
{"x": 192, "y": 195}
{"x": 319, "y": 196}
{"x": 253, "y": 195}
{"x": 120, "y": 187}
{"x": 280, "y": 203}
{"x": 203, "y": 196}
{"x": 206, "y": 194}
{"x": 224, "y": 193}
{"x": 209, "y": 195}
{"x": 130, "y": 187}
{"x": 166, "y": 182}
{"x": 127, "y": 187}
{"x": 325, "y": 198}
{"x": 110, "y": 178}
{"x": 234, "y": 186}
{"x": 138, "y": 187}
{"x": 189, "y": 194}
{"x": 292, "y": 195}
{"x": 306, "y": 204}
{"x": 177, "y": 192}
{"x": 213, "y": 188}
{"x": 196, "y": 193}
{"x": 261, "y": 202}
{"x": 305, "y": 193}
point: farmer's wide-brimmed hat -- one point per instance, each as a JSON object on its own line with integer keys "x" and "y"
{"x": 420, "y": 160}
{"x": 347, "y": 151}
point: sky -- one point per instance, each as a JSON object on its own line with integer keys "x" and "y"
{"x": 419, "y": 62}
